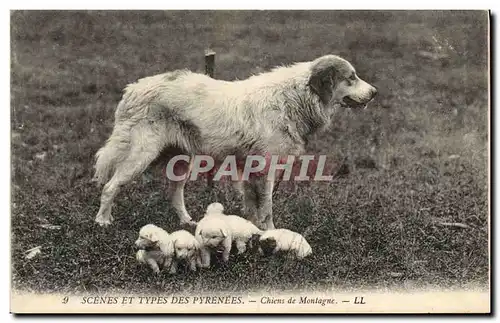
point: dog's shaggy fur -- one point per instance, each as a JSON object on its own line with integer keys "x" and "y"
{"x": 187, "y": 113}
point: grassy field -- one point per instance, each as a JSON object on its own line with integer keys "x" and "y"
{"x": 416, "y": 158}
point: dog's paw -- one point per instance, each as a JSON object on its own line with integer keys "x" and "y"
{"x": 188, "y": 223}
{"x": 103, "y": 223}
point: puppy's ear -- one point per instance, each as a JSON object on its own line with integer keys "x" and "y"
{"x": 168, "y": 248}
{"x": 153, "y": 236}
{"x": 197, "y": 244}
{"x": 199, "y": 239}
{"x": 322, "y": 80}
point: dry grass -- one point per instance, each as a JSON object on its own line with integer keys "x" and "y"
{"x": 426, "y": 134}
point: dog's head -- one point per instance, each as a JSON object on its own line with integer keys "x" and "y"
{"x": 212, "y": 236}
{"x": 215, "y": 208}
{"x": 335, "y": 81}
{"x": 149, "y": 236}
{"x": 182, "y": 245}
{"x": 265, "y": 247}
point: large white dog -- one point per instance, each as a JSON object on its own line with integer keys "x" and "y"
{"x": 187, "y": 113}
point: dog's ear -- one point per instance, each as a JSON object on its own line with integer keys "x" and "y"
{"x": 322, "y": 80}
{"x": 199, "y": 238}
{"x": 197, "y": 244}
{"x": 168, "y": 248}
{"x": 153, "y": 236}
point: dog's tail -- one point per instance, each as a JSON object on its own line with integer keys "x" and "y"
{"x": 114, "y": 151}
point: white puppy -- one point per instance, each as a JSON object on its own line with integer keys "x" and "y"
{"x": 181, "y": 246}
{"x": 150, "y": 240}
{"x": 214, "y": 235}
{"x": 276, "y": 240}
{"x": 218, "y": 231}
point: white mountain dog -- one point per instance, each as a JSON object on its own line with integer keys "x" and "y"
{"x": 187, "y": 113}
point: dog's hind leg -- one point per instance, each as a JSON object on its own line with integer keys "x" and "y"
{"x": 145, "y": 147}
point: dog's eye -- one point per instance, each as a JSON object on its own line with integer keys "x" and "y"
{"x": 352, "y": 77}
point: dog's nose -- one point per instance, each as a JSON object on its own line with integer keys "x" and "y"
{"x": 374, "y": 92}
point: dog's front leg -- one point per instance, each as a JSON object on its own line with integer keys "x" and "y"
{"x": 173, "y": 267}
{"x": 167, "y": 262}
{"x": 264, "y": 191}
{"x": 176, "y": 195}
{"x": 241, "y": 246}
{"x": 250, "y": 201}
{"x": 198, "y": 260}
{"x": 227, "y": 248}
{"x": 205, "y": 257}
{"x": 154, "y": 266}
{"x": 192, "y": 263}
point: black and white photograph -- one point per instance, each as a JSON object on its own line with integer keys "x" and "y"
{"x": 250, "y": 161}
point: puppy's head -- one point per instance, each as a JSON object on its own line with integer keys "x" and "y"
{"x": 215, "y": 208}
{"x": 149, "y": 236}
{"x": 265, "y": 247}
{"x": 181, "y": 244}
{"x": 334, "y": 80}
{"x": 254, "y": 243}
{"x": 213, "y": 236}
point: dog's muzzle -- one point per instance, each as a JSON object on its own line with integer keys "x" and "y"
{"x": 354, "y": 104}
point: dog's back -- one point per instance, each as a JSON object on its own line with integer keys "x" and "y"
{"x": 240, "y": 227}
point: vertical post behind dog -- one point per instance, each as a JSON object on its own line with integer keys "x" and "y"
{"x": 209, "y": 70}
